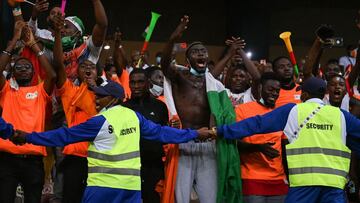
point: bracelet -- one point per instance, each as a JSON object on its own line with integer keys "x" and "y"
{"x": 17, "y": 11}
{"x": 7, "y": 53}
{"x": 214, "y": 130}
{"x": 40, "y": 53}
{"x": 31, "y": 45}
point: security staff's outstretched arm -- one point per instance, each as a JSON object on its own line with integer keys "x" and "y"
{"x": 271, "y": 122}
{"x": 164, "y": 134}
{"x": 86, "y": 131}
{"x": 6, "y": 129}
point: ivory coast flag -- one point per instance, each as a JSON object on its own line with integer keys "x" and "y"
{"x": 228, "y": 162}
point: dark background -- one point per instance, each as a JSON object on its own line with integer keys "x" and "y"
{"x": 259, "y": 22}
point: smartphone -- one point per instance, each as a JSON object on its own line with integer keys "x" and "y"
{"x": 337, "y": 41}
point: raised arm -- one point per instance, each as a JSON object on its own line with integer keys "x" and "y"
{"x": 99, "y": 30}
{"x": 58, "y": 52}
{"x": 119, "y": 56}
{"x": 323, "y": 33}
{"x": 234, "y": 44}
{"x": 40, "y": 6}
{"x": 355, "y": 71}
{"x": 6, "y": 54}
{"x": 50, "y": 75}
{"x": 168, "y": 69}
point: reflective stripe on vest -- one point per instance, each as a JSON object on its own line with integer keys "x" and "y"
{"x": 323, "y": 170}
{"x": 318, "y": 157}
{"x": 118, "y": 166}
{"x": 318, "y": 150}
{"x": 118, "y": 171}
{"x": 117, "y": 157}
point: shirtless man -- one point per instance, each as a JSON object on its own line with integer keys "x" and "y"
{"x": 197, "y": 162}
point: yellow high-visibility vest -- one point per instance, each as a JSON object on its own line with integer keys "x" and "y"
{"x": 318, "y": 157}
{"x": 118, "y": 167}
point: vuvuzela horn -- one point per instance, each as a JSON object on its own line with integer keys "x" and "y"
{"x": 286, "y": 37}
{"x": 154, "y": 18}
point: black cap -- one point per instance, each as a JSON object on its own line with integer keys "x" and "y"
{"x": 110, "y": 88}
{"x": 313, "y": 86}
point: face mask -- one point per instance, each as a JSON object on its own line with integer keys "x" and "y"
{"x": 5, "y": 73}
{"x": 262, "y": 101}
{"x": 68, "y": 43}
{"x": 156, "y": 90}
{"x": 158, "y": 60}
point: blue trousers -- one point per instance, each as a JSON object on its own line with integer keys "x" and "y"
{"x": 95, "y": 194}
{"x": 315, "y": 194}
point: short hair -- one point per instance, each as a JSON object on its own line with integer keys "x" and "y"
{"x": 269, "y": 76}
{"x": 190, "y": 46}
{"x": 276, "y": 60}
{"x": 351, "y": 47}
{"x": 150, "y": 71}
{"x": 231, "y": 71}
{"x": 138, "y": 71}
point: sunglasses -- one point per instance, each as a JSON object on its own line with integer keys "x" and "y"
{"x": 19, "y": 67}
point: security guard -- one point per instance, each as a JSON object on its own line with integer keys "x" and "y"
{"x": 113, "y": 153}
{"x": 320, "y": 137}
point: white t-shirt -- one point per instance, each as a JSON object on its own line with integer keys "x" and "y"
{"x": 240, "y": 98}
{"x": 42, "y": 33}
{"x": 345, "y": 61}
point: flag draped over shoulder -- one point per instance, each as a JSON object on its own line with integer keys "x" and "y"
{"x": 228, "y": 162}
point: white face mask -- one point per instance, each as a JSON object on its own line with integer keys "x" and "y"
{"x": 5, "y": 73}
{"x": 158, "y": 60}
{"x": 156, "y": 90}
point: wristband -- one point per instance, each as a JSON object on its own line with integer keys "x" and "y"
{"x": 40, "y": 53}
{"x": 7, "y": 53}
{"x": 17, "y": 11}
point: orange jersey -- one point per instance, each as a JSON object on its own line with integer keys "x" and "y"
{"x": 79, "y": 105}
{"x": 25, "y": 109}
{"x": 288, "y": 96}
{"x": 256, "y": 165}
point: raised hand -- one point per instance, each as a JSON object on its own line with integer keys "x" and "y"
{"x": 268, "y": 150}
{"x": 27, "y": 36}
{"x": 235, "y": 43}
{"x": 324, "y": 32}
{"x": 40, "y": 6}
{"x": 58, "y": 23}
{"x": 177, "y": 34}
{"x": 19, "y": 137}
{"x": 18, "y": 29}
